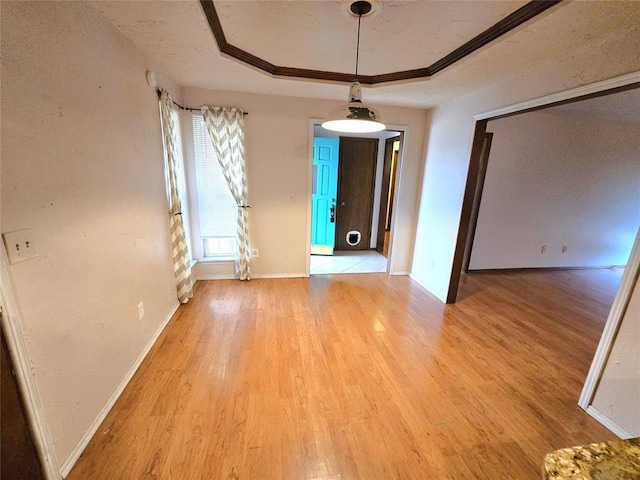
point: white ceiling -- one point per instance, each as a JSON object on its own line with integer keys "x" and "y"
{"x": 403, "y": 35}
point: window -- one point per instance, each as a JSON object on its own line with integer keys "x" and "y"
{"x": 217, "y": 210}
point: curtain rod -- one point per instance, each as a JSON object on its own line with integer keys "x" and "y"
{"x": 189, "y": 109}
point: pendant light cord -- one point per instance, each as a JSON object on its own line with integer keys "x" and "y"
{"x": 358, "y": 46}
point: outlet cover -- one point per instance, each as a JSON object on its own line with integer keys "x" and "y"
{"x": 20, "y": 245}
{"x": 140, "y": 311}
{"x": 255, "y": 253}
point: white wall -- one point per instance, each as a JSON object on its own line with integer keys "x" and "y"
{"x": 82, "y": 166}
{"x": 558, "y": 179}
{"x": 619, "y": 388}
{"x": 278, "y": 148}
{"x": 451, "y": 132}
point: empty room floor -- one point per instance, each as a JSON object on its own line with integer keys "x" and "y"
{"x": 353, "y": 261}
{"x": 361, "y": 377}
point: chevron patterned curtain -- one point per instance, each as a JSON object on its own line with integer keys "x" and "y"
{"x": 226, "y": 129}
{"x": 181, "y": 256}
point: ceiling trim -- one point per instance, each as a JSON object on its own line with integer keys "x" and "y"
{"x": 515, "y": 19}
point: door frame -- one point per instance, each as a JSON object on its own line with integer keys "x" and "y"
{"x": 630, "y": 277}
{"x": 605, "y": 87}
{"x": 18, "y": 436}
{"x": 475, "y": 209}
{"x": 34, "y": 411}
{"x": 387, "y": 188}
{"x": 397, "y": 183}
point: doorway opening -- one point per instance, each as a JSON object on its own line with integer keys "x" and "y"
{"x": 595, "y": 200}
{"x": 613, "y": 104}
{"x": 352, "y": 196}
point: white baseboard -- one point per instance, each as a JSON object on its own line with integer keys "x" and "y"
{"x": 432, "y": 291}
{"x": 604, "y": 420}
{"x": 256, "y": 275}
{"x": 215, "y": 277}
{"x": 399, "y": 273}
{"x": 280, "y": 275}
{"x": 86, "y": 438}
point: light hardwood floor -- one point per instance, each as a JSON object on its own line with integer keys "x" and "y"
{"x": 361, "y": 377}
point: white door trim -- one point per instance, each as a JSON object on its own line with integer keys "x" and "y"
{"x": 618, "y": 309}
{"x": 609, "y": 84}
{"x": 12, "y": 324}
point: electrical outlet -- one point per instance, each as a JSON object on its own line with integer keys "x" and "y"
{"x": 20, "y": 245}
{"x": 543, "y": 249}
{"x": 140, "y": 311}
{"x": 255, "y": 253}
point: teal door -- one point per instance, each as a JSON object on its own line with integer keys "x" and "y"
{"x": 323, "y": 196}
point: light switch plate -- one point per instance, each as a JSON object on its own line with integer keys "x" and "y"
{"x": 20, "y": 245}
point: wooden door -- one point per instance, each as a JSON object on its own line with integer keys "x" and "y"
{"x": 356, "y": 177}
{"x": 19, "y": 458}
{"x": 323, "y": 195}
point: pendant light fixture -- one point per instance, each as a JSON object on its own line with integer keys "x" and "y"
{"x": 355, "y": 116}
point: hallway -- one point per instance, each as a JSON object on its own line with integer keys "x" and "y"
{"x": 355, "y": 261}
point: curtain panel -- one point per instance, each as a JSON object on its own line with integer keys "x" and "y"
{"x": 181, "y": 256}
{"x": 226, "y": 129}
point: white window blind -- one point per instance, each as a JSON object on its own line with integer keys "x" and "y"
{"x": 217, "y": 209}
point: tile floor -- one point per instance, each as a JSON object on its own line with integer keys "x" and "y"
{"x": 354, "y": 261}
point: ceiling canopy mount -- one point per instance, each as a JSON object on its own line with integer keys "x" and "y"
{"x": 360, "y": 8}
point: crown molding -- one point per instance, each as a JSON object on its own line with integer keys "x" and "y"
{"x": 515, "y": 19}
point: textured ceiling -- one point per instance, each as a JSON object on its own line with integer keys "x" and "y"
{"x": 403, "y": 35}
{"x": 319, "y": 36}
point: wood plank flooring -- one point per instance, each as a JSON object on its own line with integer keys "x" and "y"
{"x": 361, "y": 377}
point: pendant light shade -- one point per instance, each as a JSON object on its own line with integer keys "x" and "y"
{"x": 355, "y": 116}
